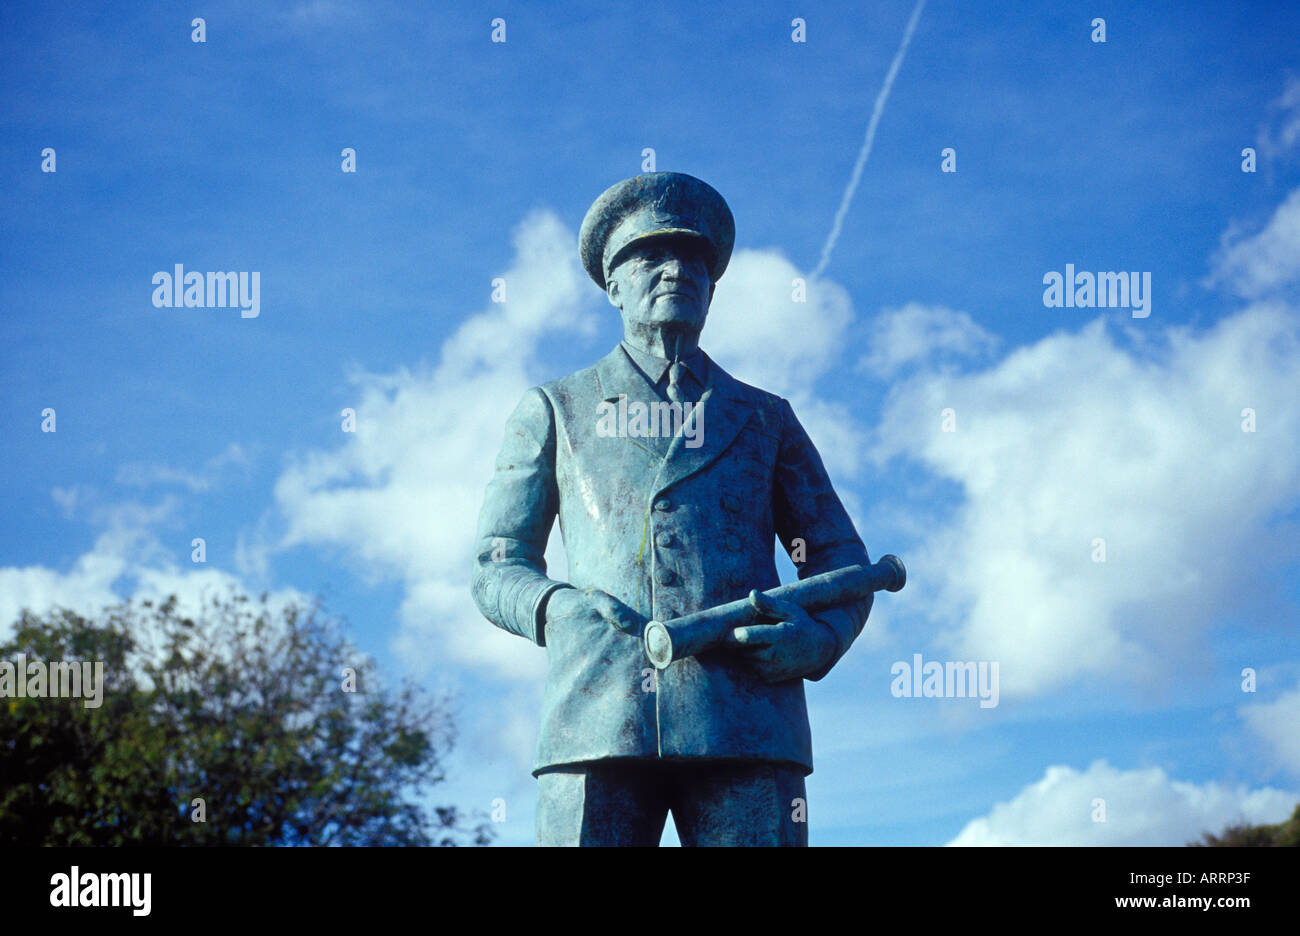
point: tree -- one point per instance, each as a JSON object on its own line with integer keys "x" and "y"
{"x": 247, "y": 726}
{"x": 1284, "y": 834}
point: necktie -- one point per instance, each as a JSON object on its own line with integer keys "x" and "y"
{"x": 676, "y": 392}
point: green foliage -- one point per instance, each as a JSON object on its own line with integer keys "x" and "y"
{"x": 244, "y": 708}
{"x": 1283, "y": 834}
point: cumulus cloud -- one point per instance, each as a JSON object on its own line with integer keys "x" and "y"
{"x": 234, "y": 458}
{"x": 761, "y": 335}
{"x": 1278, "y": 140}
{"x": 124, "y": 548}
{"x": 1264, "y": 263}
{"x": 86, "y": 588}
{"x": 1117, "y": 437}
{"x": 1075, "y": 440}
{"x": 1277, "y": 723}
{"x": 126, "y": 561}
{"x": 401, "y": 496}
{"x": 1141, "y": 807}
{"x": 917, "y": 333}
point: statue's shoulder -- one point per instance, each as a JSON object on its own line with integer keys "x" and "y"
{"x": 559, "y": 399}
{"x": 769, "y": 407}
{"x": 573, "y": 393}
{"x": 756, "y": 396}
{"x": 579, "y": 379}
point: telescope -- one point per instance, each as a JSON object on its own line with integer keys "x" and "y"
{"x": 692, "y": 634}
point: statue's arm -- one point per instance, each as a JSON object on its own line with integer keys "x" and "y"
{"x": 806, "y": 507}
{"x": 510, "y": 585}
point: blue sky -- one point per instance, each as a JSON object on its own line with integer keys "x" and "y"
{"x": 1119, "y": 680}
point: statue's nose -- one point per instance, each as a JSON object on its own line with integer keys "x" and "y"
{"x": 676, "y": 276}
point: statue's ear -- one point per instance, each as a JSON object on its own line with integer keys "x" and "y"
{"x": 611, "y": 291}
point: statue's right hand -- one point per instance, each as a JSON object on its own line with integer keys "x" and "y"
{"x": 593, "y": 606}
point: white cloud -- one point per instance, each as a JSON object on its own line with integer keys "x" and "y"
{"x": 1142, "y": 807}
{"x": 1075, "y": 438}
{"x": 1264, "y": 263}
{"x": 68, "y": 499}
{"x": 230, "y": 460}
{"x": 918, "y": 333}
{"x": 1277, "y": 141}
{"x": 760, "y": 335}
{"x": 85, "y": 589}
{"x": 126, "y": 561}
{"x": 402, "y": 495}
{"x": 124, "y": 548}
{"x": 1278, "y": 724}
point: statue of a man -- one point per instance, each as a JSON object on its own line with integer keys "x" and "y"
{"x": 671, "y": 480}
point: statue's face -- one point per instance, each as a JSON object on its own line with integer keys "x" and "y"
{"x": 663, "y": 282}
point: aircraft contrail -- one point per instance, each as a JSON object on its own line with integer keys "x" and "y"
{"x": 866, "y": 144}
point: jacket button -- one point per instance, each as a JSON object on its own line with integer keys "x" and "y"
{"x": 665, "y": 576}
{"x": 731, "y": 502}
{"x": 664, "y": 538}
{"x": 663, "y": 503}
{"x": 733, "y": 542}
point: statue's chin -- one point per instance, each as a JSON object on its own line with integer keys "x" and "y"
{"x": 672, "y": 315}
{"x": 664, "y": 326}
{"x": 684, "y": 323}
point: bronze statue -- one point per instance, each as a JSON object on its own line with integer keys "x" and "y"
{"x": 671, "y": 479}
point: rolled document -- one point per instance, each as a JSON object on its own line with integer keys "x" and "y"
{"x": 666, "y": 641}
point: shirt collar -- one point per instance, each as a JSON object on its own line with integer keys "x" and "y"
{"x": 655, "y": 367}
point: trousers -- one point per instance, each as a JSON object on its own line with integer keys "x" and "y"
{"x": 626, "y": 802}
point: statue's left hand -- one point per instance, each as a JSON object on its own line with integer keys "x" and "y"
{"x": 794, "y": 645}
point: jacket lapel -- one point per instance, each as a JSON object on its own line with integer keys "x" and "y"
{"x": 724, "y": 408}
{"x": 620, "y": 377}
{"x": 722, "y": 412}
